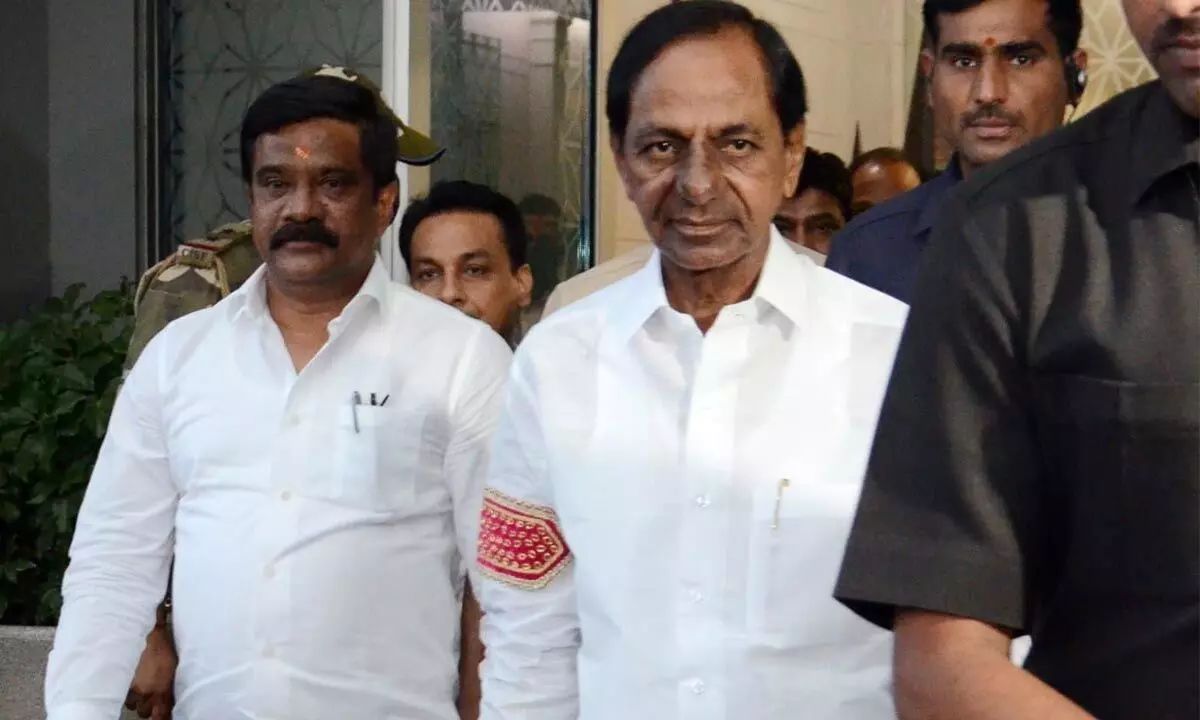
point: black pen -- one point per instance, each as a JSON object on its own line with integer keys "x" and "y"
{"x": 355, "y": 401}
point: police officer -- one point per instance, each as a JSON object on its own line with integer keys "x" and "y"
{"x": 1036, "y": 466}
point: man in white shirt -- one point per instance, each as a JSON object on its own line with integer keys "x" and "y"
{"x": 311, "y": 449}
{"x": 681, "y": 453}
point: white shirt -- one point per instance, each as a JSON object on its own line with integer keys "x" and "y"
{"x": 705, "y": 486}
{"x": 318, "y": 568}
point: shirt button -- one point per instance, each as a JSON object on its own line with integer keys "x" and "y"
{"x": 696, "y": 596}
{"x": 285, "y": 495}
{"x": 268, "y": 651}
{"x": 698, "y": 687}
{"x": 269, "y": 571}
{"x": 703, "y": 501}
{"x": 292, "y": 420}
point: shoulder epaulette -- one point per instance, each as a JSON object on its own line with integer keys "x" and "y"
{"x": 201, "y": 254}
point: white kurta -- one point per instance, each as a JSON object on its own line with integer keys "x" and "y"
{"x": 320, "y": 549}
{"x": 705, "y": 486}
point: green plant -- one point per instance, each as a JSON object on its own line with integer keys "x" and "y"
{"x": 59, "y": 374}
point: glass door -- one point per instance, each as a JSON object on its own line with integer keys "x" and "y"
{"x": 507, "y": 87}
{"x": 214, "y": 58}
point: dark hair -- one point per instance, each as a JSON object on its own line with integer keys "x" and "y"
{"x": 826, "y": 172}
{"x": 1064, "y": 18}
{"x": 308, "y": 98}
{"x": 678, "y": 20}
{"x": 463, "y": 196}
{"x": 539, "y": 204}
{"x": 880, "y": 156}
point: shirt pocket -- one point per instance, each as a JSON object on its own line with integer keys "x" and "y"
{"x": 1124, "y": 474}
{"x": 796, "y": 542}
{"x": 377, "y": 458}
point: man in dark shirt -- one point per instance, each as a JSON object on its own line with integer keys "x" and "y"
{"x": 1001, "y": 72}
{"x": 879, "y": 175}
{"x": 1037, "y": 462}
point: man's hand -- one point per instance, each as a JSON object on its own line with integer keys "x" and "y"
{"x": 470, "y": 655}
{"x": 152, "y": 694}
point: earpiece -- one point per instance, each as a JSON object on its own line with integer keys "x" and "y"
{"x": 1077, "y": 79}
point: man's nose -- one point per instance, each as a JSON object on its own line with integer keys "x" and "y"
{"x": 304, "y": 204}
{"x": 1181, "y": 8}
{"x": 991, "y": 84}
{"x": 698, "y": 175}
{"x": 452, "y": 291}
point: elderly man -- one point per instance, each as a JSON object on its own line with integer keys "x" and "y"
{"x": 316, "y": 480}
{"x": 1037, "y": 466}
{"x": 680, "y": 454}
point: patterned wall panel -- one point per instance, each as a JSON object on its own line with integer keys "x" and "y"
{"x": 1115, "y": 62}
{"x": 222, "y": 55}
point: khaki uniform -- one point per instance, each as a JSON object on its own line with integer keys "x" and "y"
{"x": 194, "y": 277}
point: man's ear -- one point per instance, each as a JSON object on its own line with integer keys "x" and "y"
{"x": 1080, "y": 57}
{"x": 524, "y": 278}
{"x": 386, "y": 207}
{"x": 793, "y": 154}
{"x": 928, "y": 59}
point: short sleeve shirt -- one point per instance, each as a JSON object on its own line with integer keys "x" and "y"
{"x": 1036, "y": 464}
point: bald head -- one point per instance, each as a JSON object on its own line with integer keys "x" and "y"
{"x": 880, "y": 175}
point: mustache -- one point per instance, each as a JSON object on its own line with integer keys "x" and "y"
{"x": 1174, "y": 30}
{"x": 989, "y": 112}
{"x": 310, "y": 231}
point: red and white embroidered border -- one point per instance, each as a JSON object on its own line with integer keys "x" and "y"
{"x": 520, "y": 543}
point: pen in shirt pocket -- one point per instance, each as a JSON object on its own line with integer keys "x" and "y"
{"x": 355, "y": 401}
{"x": 783, "y": 485}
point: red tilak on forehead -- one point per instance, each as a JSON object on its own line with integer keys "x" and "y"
{"x": 989, "y": 43}
{"x": 301, "y": 153}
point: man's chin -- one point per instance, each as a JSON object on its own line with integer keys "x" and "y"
{"x": 300, "y": 268}
{"x": 980, "y": 154}
{"x": 708, "y": 254}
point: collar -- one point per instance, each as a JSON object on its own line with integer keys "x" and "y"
{"x": 250, "y": 300}
{"x": 1166, "y": 140}
{"x": 780, "y": 285}
{"x": 935, "y": 190}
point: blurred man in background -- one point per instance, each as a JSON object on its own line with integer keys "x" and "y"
{"x": 879, "y": 175}
{"x": 547, "y": 249}
{"x": 464, "y": 244}
{"x": 821, "y": 204}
